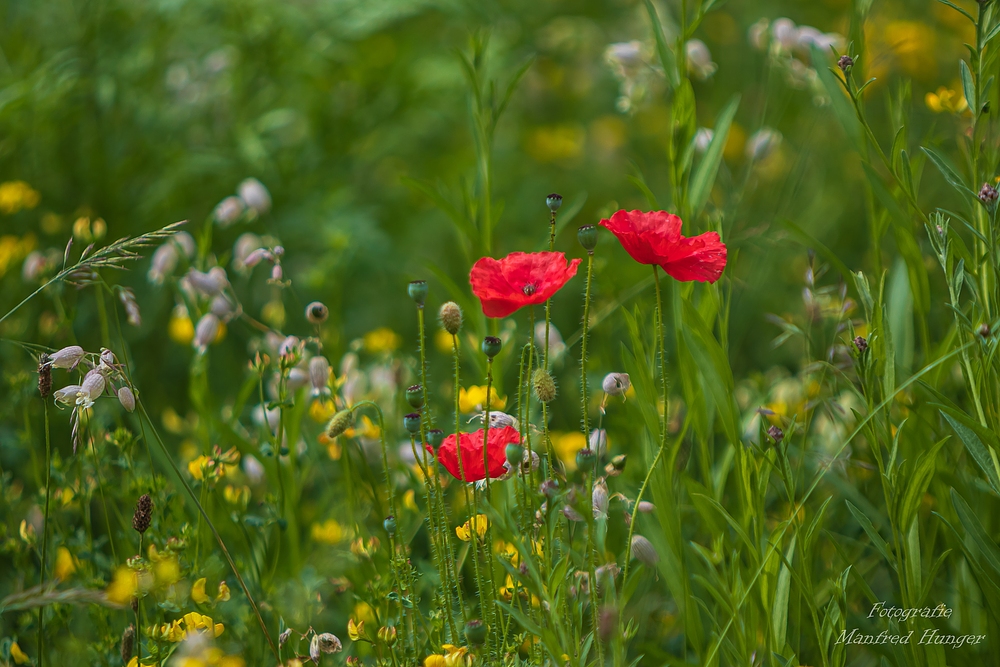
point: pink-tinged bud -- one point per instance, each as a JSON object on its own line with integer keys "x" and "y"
{"x": 319, "y": 374}
{"x": 206, "y": 331}
{"x": 277, "y": 273}
{"x": 245, "y": 244}
{"x": 255, "y": 257}
{"x": 600, "y": 500}
{"x": 228, "y": 211}
{"x": 126, "y": 398}
{"x": 108, "y": 357}
{"x": 646, "y": 507}
{"x": 570, "y": 513}
{"x": 289, "y": 346}
{"x": 185, "y": 242}
{"x": 211, "y": 283}
{"x": 598, "y": 441}
{"x": 643, "y": 551}
{"x": 256, "y": 196}
{"x": 68, "y": 357}
{"x": 67, "y": 394}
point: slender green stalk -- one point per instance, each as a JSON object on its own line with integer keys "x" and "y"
{"x": 45, "y": 526}
{"x": 583, "y": 352}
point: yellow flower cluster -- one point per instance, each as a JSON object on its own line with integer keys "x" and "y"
{"x": 17, "y": 195}
{"x": 480, "y": 522}
{"x": 381, "y": 340}
{"x": 473, "y": 399}
{"x": 453, "y": 656}
{"x": 946, "y": 99}
{"x": 198, "y": 592}
{"x": 190, "y": 623}
{"x": 328, "y": 532}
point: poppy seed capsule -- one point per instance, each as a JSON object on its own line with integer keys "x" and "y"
{"x": 415, "y": 396}
{"x": 585, "y": 459}
{"x": 317, "y": 312}
{"x": 411, "y": 422}
{"x": 587, "y": 236}
{"x": 544, "y": 385}
{"x": 390, "y": 525}
{"x": 475, "y": 632}
{"x": 514, "y": 454}
{"x": 491, "y": 346}
{"x": 435, "y": 437}
{"x": 553, "y": 201}
{"x": 417, "y": 290}
{"x": 143, "y": 515}
{"x": 451, "y": 317}
{"x": 340, "y": 423}
{"x": 643, "y": 551}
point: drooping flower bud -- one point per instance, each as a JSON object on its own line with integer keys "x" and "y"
{"x": 126, "y": 398}
{"x": 67, "y": 357}
{"x": 67, "y": 394}
{"x": 256, "y": 196}
{"x": 93, "y": 384}
{"x": 599, "y": 498}
{"x": 340, "y": 423}
{"x": 417, "y": 289}
{"x": 450, "y": 315}
{"x": 544, "y": 385}
{"x": 587, "y": 236}
{"x": 491, "y": 346}
{"x": 643, "y": 550}
{"x": 228, "y": 211}
{"x": 616, "y": 384}
{"x": 598, "y": 441}
{"x": 206, "y": 331}
{"x": 210, "y": 283}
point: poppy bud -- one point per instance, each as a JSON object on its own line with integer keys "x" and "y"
{"x": 984, "y": 330}
{"x": 544, "y": 385}
{"x": 599, "y": 499}
{"x": 417, "y": 290}
{"x": 587, "y": 236}
{"x": 515, "y": 454}
{"x": 776, "y": 434}
{"x": 390, "y": 525}
{"x": 491, "y": 346}
{"x": 340, "y": 423}
{"x": 585, "y": 459}
{"x": 451, "y": 317}
{"x": 317, "y": 312}
{"x": 553, "y": 201}
{"x": 415, "y": 396}
{"x": 475, "y": 632}
{"x": 643, "y": 551}
{"x": 616, "y": 384}
{"x": 861, "y": 344}
{"x": 143, "y": 514}
{"x": 435, "y": 437}
{"x": 126, "y": 398}
{"x": 411, "y": 422}
{"x": 845, "y": 63}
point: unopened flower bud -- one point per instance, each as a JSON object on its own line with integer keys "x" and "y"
{"x": 776, "y": 434}
{"x": 616, "y": 384}
{"x": 415, "y": 396}
{"x": 390, "y": 525}
{"x": 126, "y": 398}
{"x": 67, "y": 357}
{"x": 93, "y": 384}
{"x": 587, "y": 236}
{"x": 845, "y": 63}
{"x": 544, "y": 385}
{"x": 228, "y": 211}
{"x": 549, "y": 488}
{"x": 256, "y": 196}
{"x": 411, "y": 422}
{"x": 277, "y": 273}
{"x": 491, "y": 346}
{"x": 417, "y": 289}
{"x": 598, "y": 441}
{"x": 319, "y": 374}
{"x": 255, "y": 257}
{"x": 861, "y": 344}
{"x": 646, "y": 507}
{"x": 599, "y": 498}
{"x": 314, "y": 652}
{"x": 208, "y": 284}
{"x": 553, "y": 201}
{"x": 450, "y": 315}
{"x": 206, "y": 331}
{"x": 988, "y": 194}
{"x": 475, "y": 632}
{"x": 340, "y": 423}
{"x": 388, "y": 634}
{"x": 284, "y": 637}
{"x": 643, "y": 551}
{"x": 317, "y": 312}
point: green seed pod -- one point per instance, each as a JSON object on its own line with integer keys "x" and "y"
{"x": 418, "y": 292}
{"x": 390, "y": 525}
{"x": 553, "y": 201}
{"x": 475, "y": 632}
{"x": 435, "y": 437}
{"x": 515, "y": 454}
{"x": 415, "y": 396}
{"x": 587, "y": 236}
{"x": 491, "y": 346}
{"x": 585, "y": 459}
{"x": 340, "y": 423}
{"x": 544, "y": 385}
{"x": 411, "y": 422}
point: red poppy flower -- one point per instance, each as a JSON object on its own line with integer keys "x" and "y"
{"x": 471, "y": 445}
{"x": 655, "y": 238}
{"x": 519, "y": 279}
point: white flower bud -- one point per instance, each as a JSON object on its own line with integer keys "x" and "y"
{"x": 210, "y": 283}
{"x": 762, "y": 143}
{"x": 702, "y": 138}
{"x": 643, "y": 551}
{"x": 221, "y": 307}
{"x": 646, "y": 507}
{"x": 598, "y": 441}
{"x": 164, "y": 262}
{"x": 616, "y": 384}
{"x": 91, "y": 388}
{"x": 314, "y": 652}
{"x": 185, "y": 242}
{"x": 108, "y": 357}
{"x": 206, "y": 331}
{"x": 255, "y": 257}
{"x": 699, "y": 59}
{"x": 277, "y": 273}
{"x": 600, "y": 499}
{"x": 255, "y": 195}
{"x": 67, "y": 357}
{"x": 244, "y": 246}
{"x": 319, "y": 374}
{"x": 126, "y": 398}
{"x": 228, "y": 211}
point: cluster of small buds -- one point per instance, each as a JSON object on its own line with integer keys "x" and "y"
{"x": 776, "y": 434}
{"x": 101, "y": 376}
{"x": 988, "y": 194}
{"x": 845, "y": 63}
{"x": 861, "y": 344}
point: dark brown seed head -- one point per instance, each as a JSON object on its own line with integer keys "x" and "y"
{"x": 44, "y": 376}
{"x": 128, "y": 641}
{"x": 143, "y": 513}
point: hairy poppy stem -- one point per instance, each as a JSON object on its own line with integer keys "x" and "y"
{"x": 45, "y": 524}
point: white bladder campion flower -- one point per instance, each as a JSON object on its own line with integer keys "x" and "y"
{"x": 67, "y": 357}
{"x": 206, "y": 331}
{"x": 699, "y": 59}
{"x": 255, "y": 196}
{"x": 210, "y": 283}
{"x": 67, "y": 394}
{"x": 762, "y": 143}
{"x": 229, "y": 210}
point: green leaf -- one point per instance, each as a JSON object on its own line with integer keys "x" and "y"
{"x": 974, "y": 529}
{"x": 704, "y": 176}
{"x": 779, "y": 610}
{"x": 948, "y": 172}
{"x": 967, "y": 433}
{"x": 969, "y": 88}
{"x": 667, "y": 58}
{"x": 877, "y": 541}
{"x": 714, "y": 367}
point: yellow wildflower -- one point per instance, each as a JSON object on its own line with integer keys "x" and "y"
{"x": 946, "y": 99}
{"x": 367, "y": 430}
{"x": 364, "y": 612}
{"x": 198, "y": 591}
{"x": 914, "y": 45}
{"x": 355, "y": 630}
{"x": 410, "y": 500}
{"x": 322, "y": 409}
{"x": 480, "y": 522}
{"x": 27, "y": 532}
{"x": 456, "y": 656}
{"x": 473, "y": 399}
{"x": 435, "y": 660}
{"x": 180, "y": 327}
{"x": 123, "y": 587}
{"x": 381, "y": 340}
{"x": 237, "y": 495}
{"x": 197, "y": 467}
{"x": 17, "y": 195}
{"x": 329, "y": 532}
{"x": 19, "y": 656}
{"x": 566, "y": 446}
{"x": 65, "y": 564}
{"x": 223, "y": 594}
